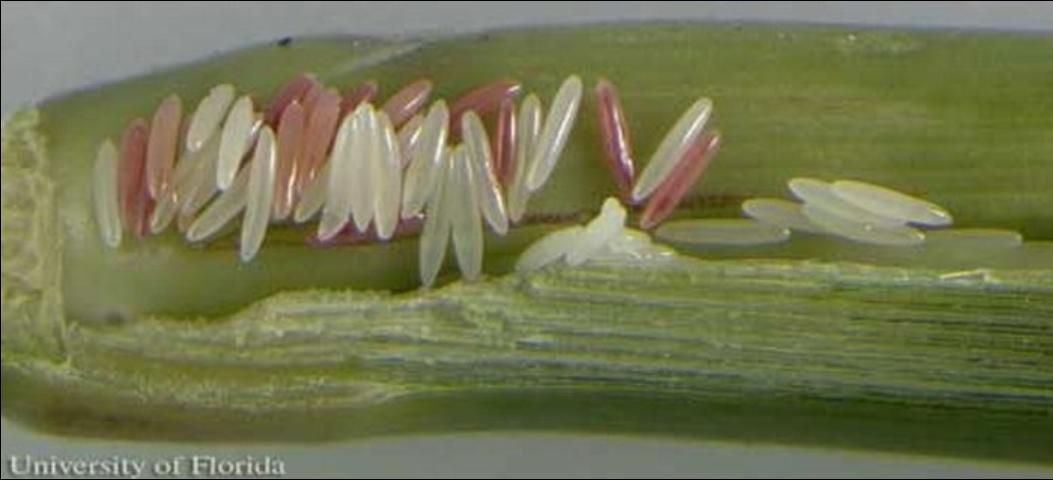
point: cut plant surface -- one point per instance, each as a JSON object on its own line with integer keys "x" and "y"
{"x": 938, "y": 348}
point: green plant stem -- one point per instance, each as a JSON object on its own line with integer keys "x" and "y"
{"x": 816, "y": 342}
{"x": 927, "y": 356}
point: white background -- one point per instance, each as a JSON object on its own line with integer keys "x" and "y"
{"x": 52, "y": 47}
